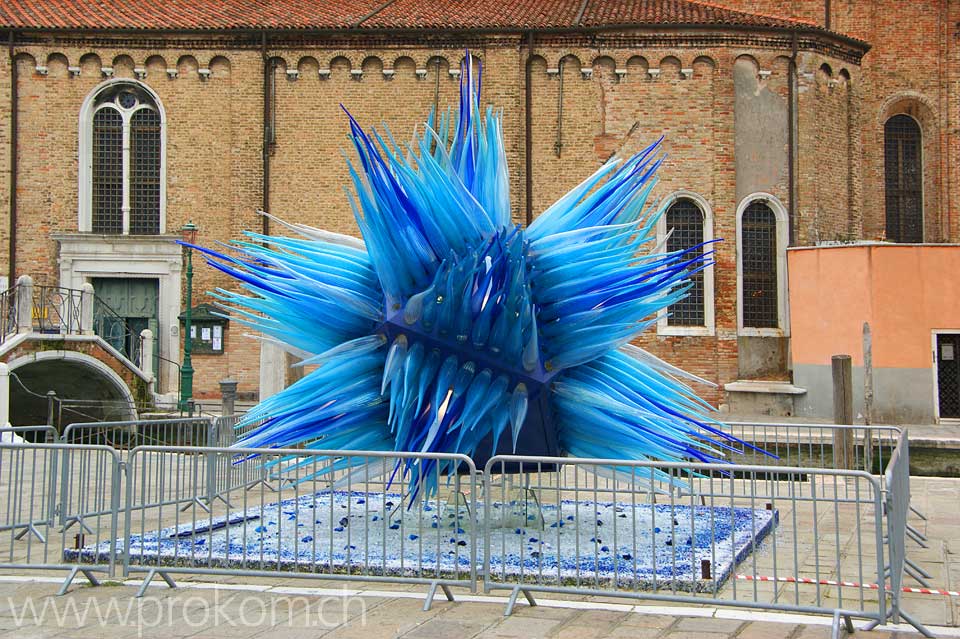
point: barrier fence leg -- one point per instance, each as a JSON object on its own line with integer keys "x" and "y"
{"x": 30, "y": 528}
{"x": 76, "y": 519}
{"x": 263, "y": 481}
{"x": 198, "y": 501}
{"x": 915, "y": 571}
{"x": 513, "y": 599}
{"x": 150, "y": 575}
{"x": 432, "y": 593}
{"x": 835, "y": 627}
{"x": 917, "y": 536}
{"x": 73, "y": 573}
{"x": 916, "y": 624}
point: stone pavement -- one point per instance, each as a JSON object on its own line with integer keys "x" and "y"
{"x": 235, "y": 611}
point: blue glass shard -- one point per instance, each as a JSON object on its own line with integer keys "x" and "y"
{"x": 447, "y": 324}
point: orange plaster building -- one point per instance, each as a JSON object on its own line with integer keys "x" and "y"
{"x": 911, "y": 299}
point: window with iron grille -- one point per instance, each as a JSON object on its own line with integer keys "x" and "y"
{"x": 685, "y": 223}
{"x": 145, "y": 172}
{"x": 903, "y": 179}
{"x": 108, "y": 171}
{"x": 126, "y": 158}
{"x": 758, "y": 259}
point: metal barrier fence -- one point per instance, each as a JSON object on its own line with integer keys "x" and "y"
{"x": 677, "y": 532}
{"x": 37, "y": 515}
{"x": 326, "y": 521}
{"x": 859, "y": 447}
{"x": 852, "y": 446}
{"x": 126, "y": 435}
{"x": 897, "y": 506}
{"x": 42, "y": 434}
{"x": 57, "y": 310}
{"x": 230, "y": 476}
{"x": 791, "y": 538}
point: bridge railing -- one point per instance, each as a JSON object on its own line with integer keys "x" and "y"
{"x": 8, "y": 313}
{"x": 59, "y": 310}
{"x": 29, "y": 307}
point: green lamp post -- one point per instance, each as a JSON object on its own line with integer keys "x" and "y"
{"x": 189, "y": 232}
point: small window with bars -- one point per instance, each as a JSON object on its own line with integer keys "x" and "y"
{"x": 758, "y": 259}
{"x": 127, "y": 154}
{"x": 903, "y": 179}
{"x": 684, "y": 221}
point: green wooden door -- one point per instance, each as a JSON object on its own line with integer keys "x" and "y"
{"x": 125, "y": 307}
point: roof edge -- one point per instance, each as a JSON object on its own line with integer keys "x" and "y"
{"x": 802, "y": 29}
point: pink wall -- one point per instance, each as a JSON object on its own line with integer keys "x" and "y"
{"x": 904, "y": 291}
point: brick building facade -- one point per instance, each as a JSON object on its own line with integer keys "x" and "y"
{"x": 777, "y": 116}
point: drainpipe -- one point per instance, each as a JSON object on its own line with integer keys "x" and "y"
{"x": 436, "y": 96}
{"x": 558, "y": 145}
{"x": 792, "y": 143}
{"x": 13, "y": 165}
{"x": 528, "y": 129}
{"x": 268, "y": 136}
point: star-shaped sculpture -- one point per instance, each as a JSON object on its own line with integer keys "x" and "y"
{"x": 450, "y": 329}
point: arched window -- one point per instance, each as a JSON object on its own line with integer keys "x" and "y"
{"x": 689, "y": 222}
{"x": 685, "y": 221}
{"x": 761, "y": 265}
{"x": 122, "y": 169}
{"x": 903, "y": 175}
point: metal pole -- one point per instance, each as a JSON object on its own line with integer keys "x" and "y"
{"x": 4, "y": 395}
{"x": 186, "y": 372}
{"x": 51, "y": 400}
{"x": 528, "y": 131}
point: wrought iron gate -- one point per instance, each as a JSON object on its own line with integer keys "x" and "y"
{"x": 948, "y": 374}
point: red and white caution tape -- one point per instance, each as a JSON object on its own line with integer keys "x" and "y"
{"x": 847, "y": 584}
{"x": 932, "y": 591}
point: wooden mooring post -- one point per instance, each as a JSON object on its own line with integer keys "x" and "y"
{"x": 843, "y": 451}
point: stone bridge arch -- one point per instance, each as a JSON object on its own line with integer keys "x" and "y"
{"x": 73, "y": 375}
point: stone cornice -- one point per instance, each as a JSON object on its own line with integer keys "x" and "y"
{"x": 626, "y": 37}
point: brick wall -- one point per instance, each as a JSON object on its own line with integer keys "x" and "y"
{"x": 911, "y": 68}
{"x": 214, "y": 171}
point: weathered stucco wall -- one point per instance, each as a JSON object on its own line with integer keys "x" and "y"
{"x": 904, "y": 292}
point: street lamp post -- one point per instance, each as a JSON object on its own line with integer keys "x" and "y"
{"x": 189, "y": 231}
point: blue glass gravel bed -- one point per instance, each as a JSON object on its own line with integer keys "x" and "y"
{"x": 584, "y": 543}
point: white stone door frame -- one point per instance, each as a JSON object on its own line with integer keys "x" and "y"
{"x": 84, "y": 256}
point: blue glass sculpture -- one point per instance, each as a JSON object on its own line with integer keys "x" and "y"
{"x": 451, "y": 329}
